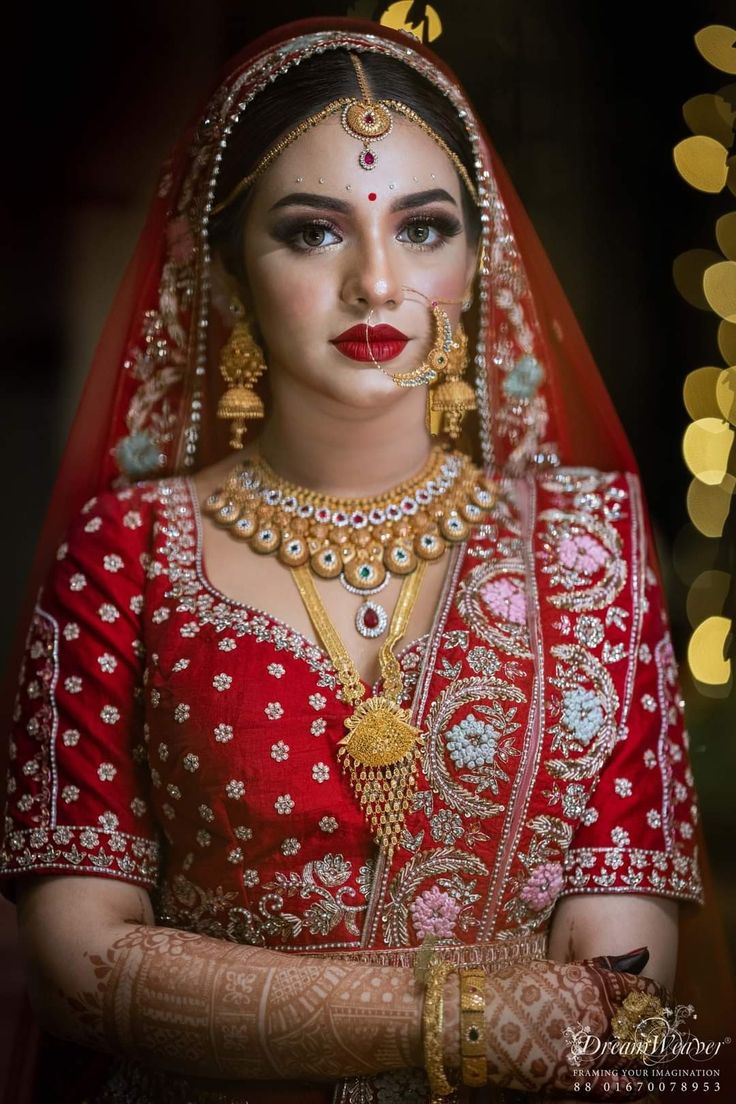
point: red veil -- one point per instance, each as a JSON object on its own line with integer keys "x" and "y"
{"x": 148, "y": 406}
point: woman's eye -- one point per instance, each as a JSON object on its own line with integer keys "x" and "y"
{"x": 429, "y": 232}
{"x": 418, "y": 233}
{"x": 314, "y": 234}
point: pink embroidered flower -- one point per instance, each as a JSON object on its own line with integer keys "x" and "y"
{"x": 582, "y": 553}
{"x": 543, "y": 887}
{"x": 505, "y": 598}
{"x": 434, "y": 913}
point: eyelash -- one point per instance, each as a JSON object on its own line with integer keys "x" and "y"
{"x": 446, "y": 225}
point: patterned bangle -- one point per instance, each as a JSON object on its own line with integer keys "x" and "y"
{"x": 473, "y": 1027}
{"x": 432, "y": 1017}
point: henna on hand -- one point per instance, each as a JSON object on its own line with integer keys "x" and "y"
{"x": 202, "y": 1006}
{"x": 528, "y": 1008}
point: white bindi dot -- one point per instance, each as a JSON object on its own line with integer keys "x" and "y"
{"x": 321, "y": 180}
{"x": 392, "y": 186}
{"x": 433, "y": 175}
{"x": 299, "y": 179}
{"x": 348, "y": 187}
{"x": 415, "y": 179}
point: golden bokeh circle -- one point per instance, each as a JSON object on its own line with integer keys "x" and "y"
{"x": 396, "y": 16}
{"x": 707, "y": 447}
{"x": 708, "y": 506}
{"x": 717, "y": 44}
{"x": 719, "y": 286}
{"x": 688, "y": 270}
{"x": 702, "y": 162}
{"x": 707, "y": 595}
{"x": 699, "y": 393}
{"x": 708, "y": 113}
{"x": 705, "y": 652}
{"x": 727, "y": 341}
{"x": 725, "y": 394}
{"x": 726, "y": 235}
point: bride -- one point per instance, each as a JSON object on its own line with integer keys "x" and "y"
{"x": 348, "y": 741}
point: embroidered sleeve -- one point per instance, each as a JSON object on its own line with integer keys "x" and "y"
{"x": 76, "y": 792}
{"x": 638, "y": 832}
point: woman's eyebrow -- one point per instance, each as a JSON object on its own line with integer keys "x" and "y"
{"x": 331, "y": 203}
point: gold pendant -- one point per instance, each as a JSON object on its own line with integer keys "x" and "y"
{"x": 380, "y": 751}
{"x": 379, "y": 733}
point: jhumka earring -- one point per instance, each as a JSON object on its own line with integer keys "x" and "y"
{"x": 241, "y": 364}
{"x": 451, "y": 400}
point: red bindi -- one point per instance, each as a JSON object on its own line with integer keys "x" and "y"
{"x": 372, "y": 196}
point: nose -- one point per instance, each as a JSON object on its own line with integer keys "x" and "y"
{"x": 372, "y": 278}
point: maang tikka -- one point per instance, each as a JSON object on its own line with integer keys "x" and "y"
{"x": 241, "y": 364}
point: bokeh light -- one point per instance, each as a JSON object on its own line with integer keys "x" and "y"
{"x": 708, "y": 507}
{"x": 700, "y": 393}
{"x": 707, "y": 448}
{"x": 706, "y": 651}
{"x": 719, "y": 285}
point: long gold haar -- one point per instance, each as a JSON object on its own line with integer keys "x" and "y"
{"x": 381, "y": 746}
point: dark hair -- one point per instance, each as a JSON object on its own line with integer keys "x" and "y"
{"x": 305, "y": 89}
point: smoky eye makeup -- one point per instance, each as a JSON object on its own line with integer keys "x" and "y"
{"x": 307, "y": 233}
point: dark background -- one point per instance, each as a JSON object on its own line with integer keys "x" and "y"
{"x": 584, "y": 105}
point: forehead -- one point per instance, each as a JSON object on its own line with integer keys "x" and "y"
{"x": 325, "y": 157}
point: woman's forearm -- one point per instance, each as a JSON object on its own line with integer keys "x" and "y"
{"x": 205, "y": 1007}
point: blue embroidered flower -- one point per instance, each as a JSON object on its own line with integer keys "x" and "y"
{"x": 523, "y": 381}
{"x": 582, "y": 714}
{"x": 471, "y": 743}
{"x": 136, "y": 455}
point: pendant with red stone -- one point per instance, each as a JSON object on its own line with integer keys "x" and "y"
{"x": 371, "y": 619}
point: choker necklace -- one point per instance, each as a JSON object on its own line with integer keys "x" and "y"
{"x": 360, "y": 541}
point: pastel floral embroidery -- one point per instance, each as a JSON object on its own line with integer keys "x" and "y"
{"x": 623, "y": 787}
{"x": 274, "y": 711}
{"x": 582, "y": 553}
{"x": 472, "y": 742}
{"x": 191, "y": 762}
{"x": 434, "y": 912}
{"x": 106, "y": 772}
{"x": 328, "y": 824}
{"x": 235, "y": 789}
{"x": 317, "y": 701}
{"x": 110, "y": 714}
{"x": 317, "y": 728}
{"x": 276, "y": 669}
{"x": 223, "y": 733}
{"x": 582, "y": 714}
{"x": 107, "y": 663}
{"x": 222, "y": 681}
{"x": 543, "y": 887}
{"x": 506, "y": 599}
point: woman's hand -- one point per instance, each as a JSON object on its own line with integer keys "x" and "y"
{"x": 529, "y": 1008}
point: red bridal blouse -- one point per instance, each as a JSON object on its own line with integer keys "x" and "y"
{"x": 167, "y": 735}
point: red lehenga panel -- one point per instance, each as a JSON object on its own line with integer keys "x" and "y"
{"x": 169, "y": 736}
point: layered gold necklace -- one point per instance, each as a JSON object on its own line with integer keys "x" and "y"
{"x": 363, "y": 542}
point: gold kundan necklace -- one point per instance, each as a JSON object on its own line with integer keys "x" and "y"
{"x": 363, "y": 542}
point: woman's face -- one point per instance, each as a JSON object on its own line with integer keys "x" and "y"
{"x": 329, "y": 245}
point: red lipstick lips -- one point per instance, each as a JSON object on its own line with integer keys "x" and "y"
{"x": 363, "y": 342}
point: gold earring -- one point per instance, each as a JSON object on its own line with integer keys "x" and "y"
{"x": 241, "y": 364}
{"x": 451, "y": 400}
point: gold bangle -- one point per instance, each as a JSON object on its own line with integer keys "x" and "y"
{"x": 432, "y": 1017}
{"x": 473, "y": 1026}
